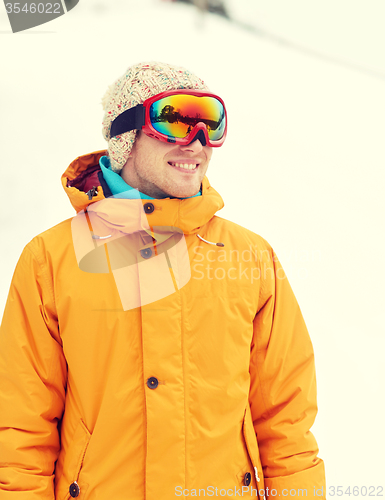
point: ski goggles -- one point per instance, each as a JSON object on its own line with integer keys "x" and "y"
{"x": 177, "y": 116}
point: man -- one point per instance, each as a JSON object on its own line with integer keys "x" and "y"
{"x": 150, "y": 349}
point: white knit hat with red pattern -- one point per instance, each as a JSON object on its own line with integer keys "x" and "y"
{"x": 139, "y": 82}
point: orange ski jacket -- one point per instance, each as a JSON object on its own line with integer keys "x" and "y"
{"x": 139, "y": 361}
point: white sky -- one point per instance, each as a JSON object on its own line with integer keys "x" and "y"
{"x": 303, "y": 164}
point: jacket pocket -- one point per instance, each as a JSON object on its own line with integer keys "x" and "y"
{"x": 73, "y": 462}
{"x": 253, "y": 451}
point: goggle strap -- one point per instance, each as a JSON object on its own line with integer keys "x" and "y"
{"x": 131, "y": 119}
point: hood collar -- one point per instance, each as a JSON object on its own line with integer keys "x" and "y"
{"x": 189, "y": 214}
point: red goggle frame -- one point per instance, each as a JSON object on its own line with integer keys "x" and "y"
{"x": 177, "y": 116}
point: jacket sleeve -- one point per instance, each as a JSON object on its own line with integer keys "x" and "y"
{"x": 283, "y": 389}
{"x": 33, "y": 375}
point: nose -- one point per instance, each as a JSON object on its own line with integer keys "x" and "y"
{"x": 194, "y": 147}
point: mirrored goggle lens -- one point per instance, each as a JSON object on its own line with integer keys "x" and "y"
{"x": 177, "y": 115}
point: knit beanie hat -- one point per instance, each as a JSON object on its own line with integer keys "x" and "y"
{"x": 139, "y": 82}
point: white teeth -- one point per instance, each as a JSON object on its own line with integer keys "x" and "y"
{"x": 186, "y": 166}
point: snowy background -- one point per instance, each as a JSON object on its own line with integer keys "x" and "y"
{"x": 303, "y": 164}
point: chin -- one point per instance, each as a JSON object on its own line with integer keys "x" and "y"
{"x": 185, "y": 194}
{"x": 183, "y": 191}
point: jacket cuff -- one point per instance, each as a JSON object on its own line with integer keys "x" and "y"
{"x": 307, "y": 484}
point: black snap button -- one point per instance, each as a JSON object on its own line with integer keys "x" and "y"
{"x": 152, "y": 382}
{"x": 247, "y": 479}
{"x": 146, "y": 253}
{"x": 74, "y": 489}
{"x": 148, "y": 208}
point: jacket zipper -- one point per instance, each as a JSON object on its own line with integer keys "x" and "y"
{"x": 92, "y": 192}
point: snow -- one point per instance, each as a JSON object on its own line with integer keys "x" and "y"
{"x": 303, "y": 164}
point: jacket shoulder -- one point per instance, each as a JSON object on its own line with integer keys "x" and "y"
{"x": 51, "y": 240}
{"x": 238, "y": 234}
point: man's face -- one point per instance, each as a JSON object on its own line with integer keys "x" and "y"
{"x": 154, "y": 167}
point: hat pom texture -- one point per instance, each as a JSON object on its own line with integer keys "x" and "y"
{"x": 138, "y": 84}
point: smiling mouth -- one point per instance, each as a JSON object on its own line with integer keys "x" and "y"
{"x": 184, "y": 166}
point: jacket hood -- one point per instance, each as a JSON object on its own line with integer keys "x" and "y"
{"x": 81, "y": 182}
